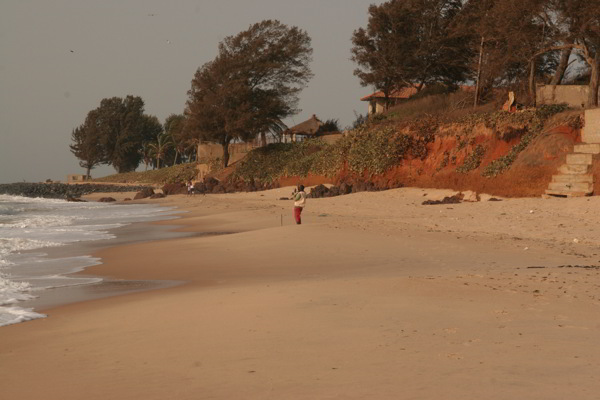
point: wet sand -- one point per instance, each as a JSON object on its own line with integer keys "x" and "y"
{"x": 139, "y": 232}
{"x": 375, "y": 296}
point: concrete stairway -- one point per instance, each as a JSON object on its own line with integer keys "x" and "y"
{"x": 575, "y": 178}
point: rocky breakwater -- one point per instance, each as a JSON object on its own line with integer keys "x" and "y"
{"x": 62, "y": 190}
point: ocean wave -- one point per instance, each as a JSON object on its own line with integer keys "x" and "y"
{"x": 29, "y": 224}
{"x": 12, "y": 292}
{"x": 12, "y": 245}
{"x": 15, "y": 315}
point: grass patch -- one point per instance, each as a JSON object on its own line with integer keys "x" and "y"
{"x": 175, "y": 174}
{"x": 433, "y": 104}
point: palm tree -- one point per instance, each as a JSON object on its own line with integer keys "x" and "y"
{"x": 160, "y": 146}
{"x": 147, "y": 154}
{"x": 275, "y": 128}
{"x": 174, "y": 127}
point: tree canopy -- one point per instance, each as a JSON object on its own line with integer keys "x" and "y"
{"x": 121, "y": 129}
{"x": 495, "y": 43}
{"x": 86, "y": 147}
{"x": 408, "y": 43}
{"x": 175, "y": 128}
{"x": 251, "y": 85}
{"x": 113, "y": 134}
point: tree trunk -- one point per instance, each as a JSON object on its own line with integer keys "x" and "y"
{"x": 476, "y": 102}
{"x": 263, "y": 139}
{"x": 225, "y": 154}
{"x": 386, "y": 100}
{"x": 593, "y": 88}
{"x": 532, "y": 94}
{"x": 88, "y": 172}
{"x": 562, "y": 67}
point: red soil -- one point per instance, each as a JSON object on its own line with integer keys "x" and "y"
{"x": 529, "y": 174}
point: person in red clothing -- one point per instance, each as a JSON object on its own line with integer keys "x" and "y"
{"x": 299, "y": 202}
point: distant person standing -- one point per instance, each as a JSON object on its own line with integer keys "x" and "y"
{"x": 189, "y": 188}
{"x": 299, "y": 202}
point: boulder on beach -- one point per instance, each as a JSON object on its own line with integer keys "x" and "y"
{"x": 319, "y": 192}
{"x": 106, "y": 199}
{"x": 455, "y": 199}
{"x": 174, "y": 188}
{"x": 75, "y": 199}
{"x": 144, "y": 193}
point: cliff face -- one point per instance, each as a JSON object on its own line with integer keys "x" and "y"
{"x": 505, "y": 155}
{"x": 500, "y": 153}
{"x": 451, "y": 163}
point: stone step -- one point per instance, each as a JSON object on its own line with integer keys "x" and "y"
{"x": 589, "y": 148}
{"x": 589, "y": 136}
{"x": 579, "y": 159}
{"x": 573, "y": 178}
{"x": 566, "y": 194}
{"x": 584, "y": 187}
{"x": 573, "y": 169}
{"x": 591, "y": 128}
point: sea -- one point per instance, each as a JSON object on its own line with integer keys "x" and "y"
{"x": 31, "y": 227}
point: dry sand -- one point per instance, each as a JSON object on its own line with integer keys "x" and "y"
{"x": 375, "y": 296}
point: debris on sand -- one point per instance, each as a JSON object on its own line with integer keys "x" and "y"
{"x": 446, "y": 200}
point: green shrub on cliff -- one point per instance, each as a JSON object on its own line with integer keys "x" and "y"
{"x": 534, "y": 120}
{"x": 376, "y": 150}
{"x": 473, "y": 160}
{"x": 268, "y": 163}
{"x": 367, "y": 149}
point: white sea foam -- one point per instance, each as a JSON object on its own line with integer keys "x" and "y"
{"x": 28, "y": 224}
{"x": 14, "y": 315}
{"x": 11, "y": 293}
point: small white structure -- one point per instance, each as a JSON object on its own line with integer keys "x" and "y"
{"x": 575, "y": 96}
{"x": 377, "y": 100}
{"x": 76, "y": 178}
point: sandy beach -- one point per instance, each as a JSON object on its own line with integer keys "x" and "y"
{"x": 374, "y": 296}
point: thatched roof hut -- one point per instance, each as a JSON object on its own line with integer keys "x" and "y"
{"x": 308, "y": 128}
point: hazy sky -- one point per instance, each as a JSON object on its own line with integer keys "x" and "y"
{"x": 60, "y": 58}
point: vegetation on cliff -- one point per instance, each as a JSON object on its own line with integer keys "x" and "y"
{"x": 379, "y": 146}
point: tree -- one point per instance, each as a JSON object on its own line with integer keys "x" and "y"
{"x": 331, "y": 125}
{"x": 159, "y": 147}
{"x": 147, "y": 154}
{"x": 175, "y": 128}
{"x": 122, "y": 128}
{"x": 503, "y": 36}
{"x": 577, "y": 29}
{"x": 276, "y": 129}
{"x": 86, "y": 146}
{"x": 252, "y": 84}
{"x": 407, "y": 43}
{"x": 582, "y": 34}
{"x": 153, "y": 146}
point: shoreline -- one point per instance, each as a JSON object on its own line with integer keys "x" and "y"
{"x": 163, "y": 228}
{"x": 374, "y": 296}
